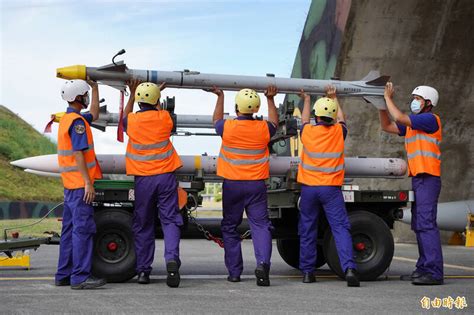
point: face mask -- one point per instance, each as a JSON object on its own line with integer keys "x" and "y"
{"x": 415, "y": 106}
{"x": 85, "y": 101}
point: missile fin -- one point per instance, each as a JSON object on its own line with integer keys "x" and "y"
{"x": 380, "y": 81}
{"x": 377, "y": 101}
{"x": 373, "y": 74}
{"x": 99, "y": 124}
{"x": 119, "y": 85}
{"x": 118, "y": 67}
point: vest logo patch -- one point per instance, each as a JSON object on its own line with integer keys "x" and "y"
{"x": 80, "y": 129}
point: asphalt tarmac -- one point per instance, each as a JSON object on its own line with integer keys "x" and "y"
{"x": 204, "y": 288}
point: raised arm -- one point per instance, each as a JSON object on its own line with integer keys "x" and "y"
{"x": 132, "y": 85}
{"x": 386, "y": 124}
{"x": 94, "y": 110}
{"x": 219, "y": 109}
{"x": 272, "y": 111}
{"x": 331, "y": 93}
{"x": 306, "y": 114}
{"x": 397, "y": 114}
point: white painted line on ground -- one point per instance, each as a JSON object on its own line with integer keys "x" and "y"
{"x": 445, "y": 265}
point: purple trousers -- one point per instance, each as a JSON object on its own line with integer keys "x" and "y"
{"x": 330, "y": 199}
{"x": 424, "y": 211}
{"x": 152, "y": 193}
{"x": 251, "y": 196}
{"x": 76, "y": 245}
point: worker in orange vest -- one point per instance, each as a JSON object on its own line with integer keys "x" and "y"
{"x": 243, "y": 162}
{"x": 152, "y": 159}
{"x": 321, "y": 175}
{"x": 79, "y": 168}
{"x": 422, "y": 132}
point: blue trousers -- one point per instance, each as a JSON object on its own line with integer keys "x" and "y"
{"x": 424, "y": 211}
{"x": 251, "y": 196}
{"x": 76, "y": 245}
{"x": 156, "y": 195}
{"x": 330, "y": 199}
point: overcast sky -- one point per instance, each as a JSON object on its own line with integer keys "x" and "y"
{"x": 226, "y": 37}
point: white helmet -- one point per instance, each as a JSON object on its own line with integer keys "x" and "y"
{"x": 428, "y": 93}
{"x": 72, "y": 88}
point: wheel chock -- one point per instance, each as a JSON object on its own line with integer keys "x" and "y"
{"x": 18, "y": 259}
{"x": 470, "y": 230}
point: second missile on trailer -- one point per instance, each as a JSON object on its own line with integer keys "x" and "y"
{"x": 371, "y": 87}
{"x": 279, "y": 165}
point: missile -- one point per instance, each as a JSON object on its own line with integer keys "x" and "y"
{"x": 355, "y": 167}
{"x": 371, "y": 87}
{"x": 452, "y": 216}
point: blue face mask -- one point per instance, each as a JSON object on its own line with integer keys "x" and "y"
{"x": 415, "y": 106}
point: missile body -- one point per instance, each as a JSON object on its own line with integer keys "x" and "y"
{"x": 279, "y": 165}
{"x": 452, "y": 216}
{"x": 371, "y": 87}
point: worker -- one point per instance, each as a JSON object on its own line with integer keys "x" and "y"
{"x": 79, "y": 168}
{"x": 422, "y": 132}
{"x": 243, "y": 162}
{"x": 152, "y": 160}
{"x": 321, "y": 175}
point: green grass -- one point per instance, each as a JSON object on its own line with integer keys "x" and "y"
{"x": 49, "y": 224}
{"x": 19, "y": 140}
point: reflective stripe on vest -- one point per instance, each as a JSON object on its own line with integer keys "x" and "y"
{"x": 328, "y": 155}
{"x": 71, "y": 152}
{"x": 152, "y": 157}
{"x": 322, "y": 169}
{"x": 75, "y": 168}
{"x": 152, "y": 146}
{"x": 421, "y": 137}
{"x": 424, "y": 153}
{"x": 244, "y": 151}
{"x": 243, "y": 162}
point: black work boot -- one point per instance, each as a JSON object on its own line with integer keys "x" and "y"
{"x": 143, "y": 277}
{"x": 63, "y": 282}
{"x": 173, "y": 278}
{"x": 233, "y": 279}
{"x": 89, "y": 283}
{"x": 427, "y": 279}
{"x": 262, "y": 272}
{"x": 309, "y": 277}
{"x": 415, "y": 274}
{"x": 352, "y": 278}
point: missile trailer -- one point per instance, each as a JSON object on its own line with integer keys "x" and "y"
{"x": 371, "y": 212}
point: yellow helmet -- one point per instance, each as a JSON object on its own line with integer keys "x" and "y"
{"x": 247, "y": 101}
{"x": 148, "y": 93}
{"x": 325, "y": 107}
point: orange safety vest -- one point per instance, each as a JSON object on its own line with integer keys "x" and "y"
{"x": 70, "y": 175}
{"x": 149, "y": 150}
{"x": 322, "y": 161}
{"x": 423, "y": 153}
{"x": 244, "y": 152}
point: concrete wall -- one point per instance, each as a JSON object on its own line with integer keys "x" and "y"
{"x": 416, "y": 42}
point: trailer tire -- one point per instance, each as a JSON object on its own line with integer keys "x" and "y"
{"x": 289, "y": 250}
{"x": 373, "y": 246}
{"x": 114, "y": 250}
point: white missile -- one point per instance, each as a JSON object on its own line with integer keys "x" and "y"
{"x": 371, "y": 87}
{"x": 452, "y": 216}
{"x": 355, "y": 167}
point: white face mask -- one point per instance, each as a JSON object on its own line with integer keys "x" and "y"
{"x": 85, "y": 100}
{"x": 415, "y": 106}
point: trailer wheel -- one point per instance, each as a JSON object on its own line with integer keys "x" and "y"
{"x": 372, "y": 246}
{"x": 289, "y": 250}
{"x": 114, "y": 251}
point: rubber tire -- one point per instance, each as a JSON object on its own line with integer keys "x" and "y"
{"x": 363, "y": 222}
{"x": 289, "y": 250}
{"x": 119, "y": 220}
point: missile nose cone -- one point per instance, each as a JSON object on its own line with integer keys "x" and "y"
{"x": 20, "y": 163}
{"x": 72, "y": 72}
